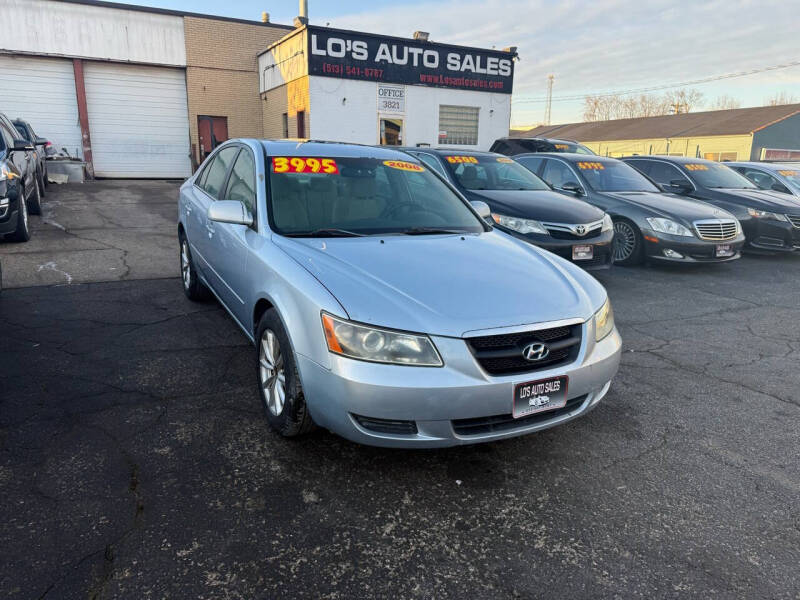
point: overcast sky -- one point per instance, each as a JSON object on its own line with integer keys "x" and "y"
{"x": 590, "y": 46}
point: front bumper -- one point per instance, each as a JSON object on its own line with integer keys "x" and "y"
{"x": 684, "y": 249}
{"x": 603, "y": 255}
{"x": 766, "y": 235}
{"x": 433, "y": 398}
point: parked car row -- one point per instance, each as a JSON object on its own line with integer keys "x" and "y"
{"x": 22, "y": 180}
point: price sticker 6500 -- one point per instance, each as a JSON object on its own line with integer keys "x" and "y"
{"x": 296, "y": 164}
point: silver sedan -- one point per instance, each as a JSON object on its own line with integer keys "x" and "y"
{"x": 382, "y": 305}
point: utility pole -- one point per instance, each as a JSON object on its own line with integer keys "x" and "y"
{"x": 549, "y": 106}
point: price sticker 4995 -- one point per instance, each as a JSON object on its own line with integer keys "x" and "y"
{"x": 296, "y": 164}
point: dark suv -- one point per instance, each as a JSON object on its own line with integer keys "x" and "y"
{"x": 770, "y": 220}
{"x": 26, "y": 132}
{"x": 513, "y": 146}
{"x": 19, "y": 189}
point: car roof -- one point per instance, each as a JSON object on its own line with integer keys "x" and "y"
{"x": 542, "y": 139}
{"x": 674, "y": 159}
{"x": 303, "y": 147}
{"x": 771, "y": 166}
{"x": 453, "y": 152}
{"x": 569, "y": 156}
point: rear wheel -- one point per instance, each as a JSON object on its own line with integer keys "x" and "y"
{"x": 628, "y": 243}
{"x": 35, "y": 203}
{"x": 192, "y": 286}
{"x": 22, "y": 233}
{"x": 278, "y": 380}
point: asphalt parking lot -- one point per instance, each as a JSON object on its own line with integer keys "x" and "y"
{"x": 135, "y": 461}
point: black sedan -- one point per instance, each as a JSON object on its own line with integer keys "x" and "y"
{"x": 19, "y": 190}
{"x": 648, "y": 223}
{"x": 524, "y": 206}
{"x": 771, "y": 220}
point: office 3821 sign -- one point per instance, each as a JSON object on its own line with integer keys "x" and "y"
{"x": 351, "y": 55}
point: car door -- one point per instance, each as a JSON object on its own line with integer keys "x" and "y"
{"x": 228, "y": 247}
{"x": 201, "y": 230}
{"x": 22, "y": 160}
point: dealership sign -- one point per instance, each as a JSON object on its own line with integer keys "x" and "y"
{"x": 351, "y": 55}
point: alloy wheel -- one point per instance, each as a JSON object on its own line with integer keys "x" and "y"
{"x": 624, "y": 241}
{"x": 271, "y": 372}
{"x": 186, "y": 270}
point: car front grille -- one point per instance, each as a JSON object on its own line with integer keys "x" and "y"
{"x": 716, "y": 230}
{"x": 568, "y": 235}
{"x": 387, "y": 425}
{"x": 502, "y": 354}
{"x": 568, "y": 231}
{"x": 484, "y": 425}
{"x": 794, "y": 220}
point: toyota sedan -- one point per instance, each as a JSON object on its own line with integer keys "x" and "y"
{"x": 381, "y": 304}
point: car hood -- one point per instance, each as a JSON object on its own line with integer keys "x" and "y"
{"x": 671, "y": 205}
{"x": 540, "y": 205}
{"x": 447, "y": 284}
{"x": 761, "y": 199}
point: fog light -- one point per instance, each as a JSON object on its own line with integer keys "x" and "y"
{"x": 672, "y": 254}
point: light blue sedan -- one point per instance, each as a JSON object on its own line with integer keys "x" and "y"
{"x": 382, "y": 305}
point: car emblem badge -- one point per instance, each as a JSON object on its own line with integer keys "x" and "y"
{"x": 580, "y": 229}
{"x": 536, "y": 351}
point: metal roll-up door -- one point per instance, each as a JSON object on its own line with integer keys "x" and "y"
{"x": 42, "y": 92}
{"x": 138, "y": 120}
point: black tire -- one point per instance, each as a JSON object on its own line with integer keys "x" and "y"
{"x": 194, "y": 289}
{"x": 292, "y": 418}
{"x": 42, "y": 184}
{"x": 628, "y": 243}
{"x": 35, "y": 202}
{"x": 23, "y": 231}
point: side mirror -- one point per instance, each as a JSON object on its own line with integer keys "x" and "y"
{"x": 23, "y": 146}
{"x": 230, "y": 211}
{"x": 571, "y": 186}
{"x": 483, "y": 210}
{"x": 680, "y": 186}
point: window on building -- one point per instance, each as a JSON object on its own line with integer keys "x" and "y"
{"x": 286, "y": 125}
{"x": 301, "y": 123}
{"x": 458, "y": 125}
{"x": 720, "y": 156}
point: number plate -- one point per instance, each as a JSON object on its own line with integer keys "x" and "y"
{"x": 584, "y": 252}
{"x": 724, "y": 250}
{"x": 534, "y": 397}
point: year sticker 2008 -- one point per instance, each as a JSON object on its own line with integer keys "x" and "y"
{"x": 297, "y": 164}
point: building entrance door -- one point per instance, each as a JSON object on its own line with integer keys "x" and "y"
{"x": 391, "y": 131}
{"x": 212, "y": 131}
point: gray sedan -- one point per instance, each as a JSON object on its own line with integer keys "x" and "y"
{"x": 771, "y": 176}
{"x": 382, "y": 305}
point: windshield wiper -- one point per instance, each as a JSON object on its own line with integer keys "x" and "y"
{"x": 326, "y": 232}
{"x": 429, "y": 231}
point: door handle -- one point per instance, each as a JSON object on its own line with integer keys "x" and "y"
{"x": 209, "y": 228}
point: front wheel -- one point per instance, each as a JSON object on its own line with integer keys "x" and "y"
{"x": 278, "y": 381}
{"x": 628, "y": 244}
{"x": 23, "y": 232}
{"x": 192, "y": 286}
{"x": 35, "y": 203}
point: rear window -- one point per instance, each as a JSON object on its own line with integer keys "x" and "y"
{"x": 362, "y": 195}
{"x": 491, "y": 172}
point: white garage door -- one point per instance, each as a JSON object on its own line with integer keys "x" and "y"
{"x": 42, "y": 92}
{"x": 138, "y": 120}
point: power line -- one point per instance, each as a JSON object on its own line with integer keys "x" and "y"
{"x": 659, "y": 87}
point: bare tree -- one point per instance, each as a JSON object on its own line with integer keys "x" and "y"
{"x": 605, "y": 108}
{"x": 781, "y": 98}
{"x": 725, "y": 102}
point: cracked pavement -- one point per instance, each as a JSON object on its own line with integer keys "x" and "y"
{"x": 135, "y": 461}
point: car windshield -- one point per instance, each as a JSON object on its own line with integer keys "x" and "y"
{"x": 571, "y": 147}
{"x": 344, "y": 196}
{"x": 715, "y": 175}
{"x": 492, "y": 172}
{"x": 614, "y": 176}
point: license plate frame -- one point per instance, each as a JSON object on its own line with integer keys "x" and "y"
{"x": 527, "y": 398}
{"x": 724, "y": 251}
{"x": 582, "y": 252}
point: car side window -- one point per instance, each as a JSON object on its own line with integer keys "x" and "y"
{"x": 532, "y": 163}
{"x": 213, "y": 181}
{"x": 761, "y": 179}
{"x": 432, "y": 163}
{"x": 242, "y": 182}
{"x": 557, "y": 173}
{"x": 665, "y": 173}
{"x": 9, "y": 135}
{"x": 23, "y": 134}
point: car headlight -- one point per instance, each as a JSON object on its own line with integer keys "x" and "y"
{"x": 763, "y": 214}
{"x": 520, "y": 225}
{"x": 668, "y": 226}
{"x": 379, "y": 345}
{"x": 603, "y": 321}
{"x": 608, "y": 224}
